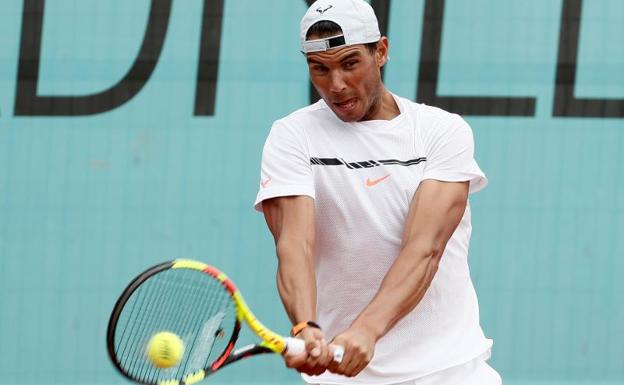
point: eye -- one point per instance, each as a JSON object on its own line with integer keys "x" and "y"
{"x": 350, "y": 64}
{"x": 320, "y": 69}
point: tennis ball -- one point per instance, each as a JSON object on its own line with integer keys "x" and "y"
{"x": 165, "y": 349}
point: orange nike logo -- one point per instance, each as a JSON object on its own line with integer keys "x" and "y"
{"x": 371, "y": 183}
{"x": 265, "y": 182}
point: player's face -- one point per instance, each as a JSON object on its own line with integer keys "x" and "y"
{"x": 349, "y": 80}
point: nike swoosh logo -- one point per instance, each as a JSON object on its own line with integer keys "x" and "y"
{"x": 265, "y": 182}
{"x": 371, "y": 183}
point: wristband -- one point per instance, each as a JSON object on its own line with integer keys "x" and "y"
{"x": 302, "y": 325}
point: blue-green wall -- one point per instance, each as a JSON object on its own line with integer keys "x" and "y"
{"x": 87, "y": 202}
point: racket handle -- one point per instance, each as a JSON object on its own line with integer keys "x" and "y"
{"x": 295, "y": 346}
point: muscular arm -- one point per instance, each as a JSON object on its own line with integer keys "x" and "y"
{"x": 291, "y": 221}
{"x": 435, "y": 211}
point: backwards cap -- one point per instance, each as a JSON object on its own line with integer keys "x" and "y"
{"x": 356, "y": 18}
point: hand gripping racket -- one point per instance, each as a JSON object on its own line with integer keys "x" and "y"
{"x": 199, "y": 304}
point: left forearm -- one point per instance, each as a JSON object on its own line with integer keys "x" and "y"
{"x": 436, "y": 210}
{"x": 401, "y": 290}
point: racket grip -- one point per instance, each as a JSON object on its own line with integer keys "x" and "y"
{"x": 295, "y": 346}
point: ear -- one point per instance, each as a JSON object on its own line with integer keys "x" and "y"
{"x": 381, "y": 55}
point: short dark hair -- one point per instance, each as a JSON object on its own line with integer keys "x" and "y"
{"x": 326, "y": 28}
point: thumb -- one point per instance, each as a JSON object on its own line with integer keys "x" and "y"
{"x": 314, "y": 348}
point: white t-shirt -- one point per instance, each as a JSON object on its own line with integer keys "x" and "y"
{"x": 362, "y": 177}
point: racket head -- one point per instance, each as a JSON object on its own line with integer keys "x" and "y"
{"x": 191, "y": 299}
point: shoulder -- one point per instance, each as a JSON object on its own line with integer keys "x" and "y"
{"x": 306, "y": 116}
{"x": 436, "y": 128}
{"x": 432, "y": 122}
{"x": 294, "y": 128}
{"x": 428, "y": 115}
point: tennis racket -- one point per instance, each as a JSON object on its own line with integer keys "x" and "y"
{"x": 199, "y": 304}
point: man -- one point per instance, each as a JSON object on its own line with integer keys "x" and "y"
{"x": 366, "y": 196}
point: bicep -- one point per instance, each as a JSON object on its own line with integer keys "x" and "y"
{"x": 290, "y": 218}
{"x": 435, "y": 211}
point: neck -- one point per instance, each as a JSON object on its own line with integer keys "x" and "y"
{"x": 384, "y": 108}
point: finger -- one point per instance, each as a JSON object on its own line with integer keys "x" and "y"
{"x": 300, "y": 363}
{"x": 315, "y": 371}
{"x": 340, "y": 368}
{"x": 315, "y": 352}
{"x": 336, "y": 353}
{"x": 312, "y": 371}
{"x": 314, "y": 366}
{"x": 363, "y": 359}
{"x": 334, "y": 366}
{"x": 326, "y": 354}
{"x": 319, "y": 363}
{"x": 360, "y": 368}
{"x": 296, "y": 361}
{"x": 352, "y": 366}
{"x": 314, "y": 348}
{"x": 358, "y": 357}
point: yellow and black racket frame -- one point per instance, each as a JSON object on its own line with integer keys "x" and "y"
{"x": 271, "y": 342}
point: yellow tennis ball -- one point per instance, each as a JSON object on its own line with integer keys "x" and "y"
{"x": 165, "y": 349}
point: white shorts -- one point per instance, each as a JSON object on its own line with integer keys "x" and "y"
{"x": 475, "y": 372}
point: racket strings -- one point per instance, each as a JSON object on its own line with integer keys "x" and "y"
{"x": 149, "y": 321}
{"x": 142, "y": 314}
{"x": 149, "y": 372}
{"x": 189, "y": 364}
{"x": 211, "y": 332}
{"x": 156, "y": 323}
{"x": 146, "y": 367}
{"x": 188, "y": 303}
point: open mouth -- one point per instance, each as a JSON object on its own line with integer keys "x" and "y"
{"x": 346, "y": 105}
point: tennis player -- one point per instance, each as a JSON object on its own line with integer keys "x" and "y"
{"x": 366, "y": 195}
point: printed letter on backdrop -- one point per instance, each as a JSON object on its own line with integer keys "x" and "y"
{"x": 28, "y": 102}
{"x": 429, "y": 69}
{"x": 566, "y": 104}
{"x": 208, "y": 68}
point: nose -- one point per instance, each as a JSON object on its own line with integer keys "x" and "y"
{"x": 337, "y": 84}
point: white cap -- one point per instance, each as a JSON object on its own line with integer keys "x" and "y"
{"x": 356, "y": 18}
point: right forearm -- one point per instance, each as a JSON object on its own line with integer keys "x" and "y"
{"x": 296, "y": 280}
{"x": 291, "y": 221}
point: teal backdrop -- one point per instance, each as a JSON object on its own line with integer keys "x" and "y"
{"x": 87, "y": 202}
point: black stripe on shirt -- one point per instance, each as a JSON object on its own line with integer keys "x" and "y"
{"x": 365, "y": 163}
